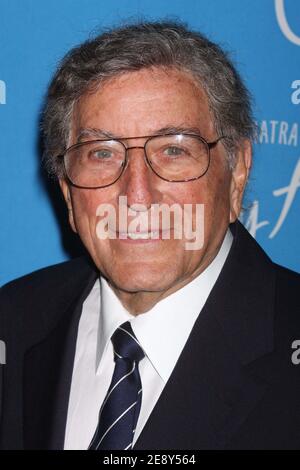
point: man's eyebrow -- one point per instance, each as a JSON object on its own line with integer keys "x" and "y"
{"x": 104, "y": 134}
{"x": 178, "y": 130}
{"x": 94, "y": 132}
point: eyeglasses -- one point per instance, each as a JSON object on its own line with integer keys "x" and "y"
{"x": 172, "y": 157}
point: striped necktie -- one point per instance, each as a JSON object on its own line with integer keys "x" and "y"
{"x": 120, "y": 409}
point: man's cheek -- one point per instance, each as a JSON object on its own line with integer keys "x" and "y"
{"x": 84, "y": 221}
{"x": 84, "y": 208}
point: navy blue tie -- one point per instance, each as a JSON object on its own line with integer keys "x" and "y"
{"x": 121, "y": 407}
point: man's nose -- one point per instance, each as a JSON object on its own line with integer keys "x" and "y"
{"x": 140, "y": 182}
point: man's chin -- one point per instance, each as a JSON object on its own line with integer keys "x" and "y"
{"x": 134, "y": 283}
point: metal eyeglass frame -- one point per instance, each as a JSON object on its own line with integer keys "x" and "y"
{"x": 209, "y": 146}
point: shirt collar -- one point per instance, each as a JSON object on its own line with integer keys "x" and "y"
{"x": 162, "y": 331}
{"x": 112, "y": 315}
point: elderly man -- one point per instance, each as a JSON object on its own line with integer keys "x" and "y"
{"x": 153, "y": 342}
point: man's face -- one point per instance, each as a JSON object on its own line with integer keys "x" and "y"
{"x": 141, "y": 104}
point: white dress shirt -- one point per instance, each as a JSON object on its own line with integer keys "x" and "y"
{"x": 162, "y": 332}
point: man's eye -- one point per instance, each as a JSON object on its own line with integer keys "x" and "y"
{"x": 174, "y": 152}
{"x": 101, "y": 154}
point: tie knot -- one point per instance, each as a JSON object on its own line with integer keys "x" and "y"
{"x": 125, "y": 344}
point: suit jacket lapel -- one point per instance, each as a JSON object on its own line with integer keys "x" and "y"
{"x": 48, "y": 366}
{"x": 214, "y": 385}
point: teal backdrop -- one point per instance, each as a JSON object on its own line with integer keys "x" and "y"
{"x": 263, "y": 37}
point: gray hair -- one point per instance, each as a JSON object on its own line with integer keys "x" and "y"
{"x": 143, "y": 45}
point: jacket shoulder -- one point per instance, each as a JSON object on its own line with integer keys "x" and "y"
{"x": 46, "y": 287}
{"x": 287, "y": 309}
{"x": 33, "y": 303}
{"x": 288, "y": 288}
{"x": 47, "y": 277}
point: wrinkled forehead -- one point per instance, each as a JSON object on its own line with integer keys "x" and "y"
{"x": 142, "y": 102}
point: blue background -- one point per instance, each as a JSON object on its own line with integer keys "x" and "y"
{"x": 34, "y": 35}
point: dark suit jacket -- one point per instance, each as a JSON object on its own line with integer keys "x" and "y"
{"x": 234, "y": 386}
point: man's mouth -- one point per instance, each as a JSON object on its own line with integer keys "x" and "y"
{"x": 146, "y": 235}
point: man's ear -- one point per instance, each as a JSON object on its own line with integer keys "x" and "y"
{"x": 239, "y": 178}
{"x": 64, "y": 186}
